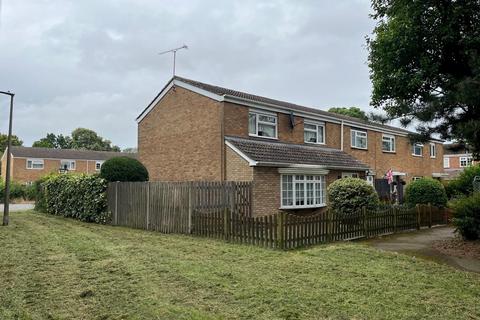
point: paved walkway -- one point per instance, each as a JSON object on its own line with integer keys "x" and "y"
{"x": 420, "y": 244}
{"x": 18, "y": 207}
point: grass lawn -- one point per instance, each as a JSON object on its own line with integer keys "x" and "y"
{"x": 55, "y": 268}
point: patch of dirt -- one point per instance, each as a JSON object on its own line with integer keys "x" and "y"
{"x": 458, "y": 247}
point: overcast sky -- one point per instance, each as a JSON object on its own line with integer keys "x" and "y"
{"x": 94, "y": 63}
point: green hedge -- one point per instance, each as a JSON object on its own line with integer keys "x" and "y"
{"x": 463, "y": 184}
{"x": 123, "y": 169}
{"x": 467, "y": 216}
{"x": 425, "y": 191}
{"x": 348, "y": 195}
{"x": 81, "y": 197}
{"x": 17, "y": 191}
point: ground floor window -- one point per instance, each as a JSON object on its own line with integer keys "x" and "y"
{"x": 303, "y": 191}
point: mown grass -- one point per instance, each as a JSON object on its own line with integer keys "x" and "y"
{"x": 55, "y": 268}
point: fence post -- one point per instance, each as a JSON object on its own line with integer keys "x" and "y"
{"x": 226, "y": 223}
{"x": 148, "y": 205}
{"x": 395, "y": 213}
{"x": 115, "y": 219}
{"x": 417, "y": 210}
{"x": 364, "y": 215}
{"x": 280, "y": 224}
{"x": 429, "y": 215}
{"x": 190, "y": 207}
{"x": 330, "y": 213}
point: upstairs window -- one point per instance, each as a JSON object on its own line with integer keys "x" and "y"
{"x": 388, "y": 143}
{"x": 446, "y": 162}
{"x": 67, "y": 164}
{"x": 433, "y": 150}
{"x": 303, "y": 191}
{"x": 314, "y": 132}
{"x": 37, "y": 164}
{"x": 359, "y": 139}
{"x": 465, "y": 161}
{"x": 262, "y": 125}
{"x": 417, "y": 150}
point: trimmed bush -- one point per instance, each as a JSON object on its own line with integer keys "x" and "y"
{"x": 123, "y": 169}
{"x": 349, "y": 195}
{"x": 425, "y": 191}
{"x": 467, "y": 216}
{"x": 17, "y": 191}
{"x": 81, "y": 197}
{"x": 463, "y": 184}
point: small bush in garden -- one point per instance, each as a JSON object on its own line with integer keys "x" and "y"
{"x": 424, "y": 191}
{"x": 347, "y": 196}
{"x": 82, "y": 197}
{"x": 30, "y": 192}
{"x": 17, "y": 191}
{"x": 123, "y": 169}
{"x": 467, "y": 216}
{"x": 463, "y": 184}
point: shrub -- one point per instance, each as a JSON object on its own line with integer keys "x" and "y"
{"x": 17, "y": 191}
{"x": 349, "y": 195}
{"x": 467, "y": 216}
{"x": 30, "y": 192}
{"x": 463, "y": 184}
{"x": 123, "y": 169}
{"x": 426, "y": 191}
{"x": 82, "y": 197}
{"x": 40, "y": 204}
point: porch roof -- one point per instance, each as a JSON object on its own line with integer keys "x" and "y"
{"x": 280, "y": 154}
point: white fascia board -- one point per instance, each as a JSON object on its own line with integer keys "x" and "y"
{"x": 303, "y": 170}
{"x": 308, "y": 166}
{"x": 457, "y": 155}
{"x": 251, "y": 162}
{"x": 181, "y": 84}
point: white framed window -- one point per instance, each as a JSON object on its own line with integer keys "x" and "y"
{"x": 465, "y": 161}
{"x": 446, "y": 162}
{"x": 350, "y": 175}
{"x": 417, "y": 150}
{"x": 262, "y": 125}
{"x": 314, "y": 132}
{"x": 67, "y": 164}
{"x": 433, "y": 150}
{"x": 303, "y": 191}
{"x": 388, "y": 143}
{"x": 359, "y": 139}
{"x": 35, "y": 164}
{"x": 370, "y": 180}
{"x": 416, "y": 178}
{"x": 98, "y": 165}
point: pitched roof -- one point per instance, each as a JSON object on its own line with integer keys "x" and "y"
{"x": 254, "y": 98}
{"x": 274, "y": 152}
{"x": 71, "y": 154}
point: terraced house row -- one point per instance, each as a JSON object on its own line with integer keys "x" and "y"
{"x": 291, "y": 153}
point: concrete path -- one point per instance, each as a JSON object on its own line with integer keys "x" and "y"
{"x": 18, "y": 207}
{"x": 420, "y": 244}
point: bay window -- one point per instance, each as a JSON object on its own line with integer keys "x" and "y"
{"x": 314, "y": 132}
{"x": 262, "y": 125}
{"x": 303, "y": 191}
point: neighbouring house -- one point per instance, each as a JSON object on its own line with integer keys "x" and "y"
{"x": 29, "y": 163}
{"x": 291, "y": 153}
{"x": 456, "y": 158}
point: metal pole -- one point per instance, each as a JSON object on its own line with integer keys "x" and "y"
{"x": 6, "y": 205}
{"x": 174, "y": 59}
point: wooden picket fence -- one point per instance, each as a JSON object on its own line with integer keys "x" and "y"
{"x": 168, "y": 206}
{"x": 287, "y": 231}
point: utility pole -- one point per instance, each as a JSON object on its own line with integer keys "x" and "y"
{"x": 6, "y": 205}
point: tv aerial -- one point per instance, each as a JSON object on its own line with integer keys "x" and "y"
{"x": 174, "y": 51}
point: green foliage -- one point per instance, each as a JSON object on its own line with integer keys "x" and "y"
{"x": 349, "y": 195}
{"x": 30, "y": 192}
{"x": 4, "y": 139}
{"x": 54, "y": 141}
{"x": 467, "y": 216}
{"x": 81, "y": 197}
{"x": 89, "y": 140}
{"x": 424, "y": 191}
{"x": 425, "y": 66}
{"x": 40, "y": 201}
{"x": 123, "y": 169}
{"x": 351, "y": 112}
{"x": 17, "y": 191}
{"x": 463, "y": 184}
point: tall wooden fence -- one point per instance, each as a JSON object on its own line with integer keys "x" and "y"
{"x": 169, "y": 206}
{"x": 287, "y": 231}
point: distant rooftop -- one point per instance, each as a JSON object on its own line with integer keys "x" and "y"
{"x": 71, "y": 154}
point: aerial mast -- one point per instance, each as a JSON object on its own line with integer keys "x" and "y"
{"x": 174, "y": 51}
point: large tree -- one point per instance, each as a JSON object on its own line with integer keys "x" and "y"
{"x": 351, "y": 111}
{"x": 4, "y": 139}
{"x": 89, "y": 140}
{"x": 54, "y": 141}
{"x": 425, "y": 66}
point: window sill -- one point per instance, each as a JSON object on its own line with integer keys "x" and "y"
{"x": 315, "y": 143}
{"x": 358, "y": 148}
{"x": 303, "y": 207}
{"x": 263, "y": 137}
{"x": 433, "y": 157}
{"x": 418, "y": 156}
{"x": 392, "y": 152}
{"x": 34, "y": 168}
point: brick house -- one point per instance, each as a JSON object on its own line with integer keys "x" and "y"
{"x": 197, "y": 131}
{"x": 29, "y": 164}
{"x": 456, "y": 158}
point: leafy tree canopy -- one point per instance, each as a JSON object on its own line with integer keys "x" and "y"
{"x": 425, "y": 66}
{"x": 351, "y": 112}
{"x": 81, "y": 138}
{"x": 4, "y": 139}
